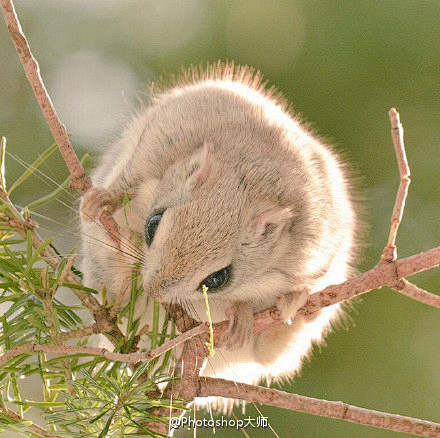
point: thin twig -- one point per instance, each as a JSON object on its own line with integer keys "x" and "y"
{"x": 80, "y": 333}
{"x": 68, "y": 349}
{"x": 31, "y": 427}
{"x": 390, "y": 252}
{"x": 121, "y": 295}
{"x": 28, "y": 348}
{"x": 418, "y": 263}
{"x": 418, "y": 294}
{"x": 80, "y": 181}
{"x": 383, "y": 274}
{"x": 166, "y": 346}
{"x": 332, "y": 409}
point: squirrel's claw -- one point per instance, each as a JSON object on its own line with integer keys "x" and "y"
{"x": 289, "y": 304}
{"x": 94, "y": 202}
{"x": 241, "y": 323}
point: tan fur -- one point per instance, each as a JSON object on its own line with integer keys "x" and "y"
{"x": 241, "y": 182}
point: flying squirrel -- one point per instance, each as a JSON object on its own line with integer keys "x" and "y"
{"x": 227, "y": 189}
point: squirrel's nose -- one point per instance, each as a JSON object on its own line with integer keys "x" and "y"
{"x": 154, "y": 290}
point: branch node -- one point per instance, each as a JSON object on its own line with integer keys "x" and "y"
{"x": 389, "y": 253}
{"x": 81, "y": 183}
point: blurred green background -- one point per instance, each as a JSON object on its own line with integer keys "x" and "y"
{"x": 342, "y": 65}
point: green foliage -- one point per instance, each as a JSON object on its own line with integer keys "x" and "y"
{"x": 114, "y": 404}
{"x": 79, "y": 395}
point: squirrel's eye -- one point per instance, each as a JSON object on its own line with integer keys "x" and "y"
{"x": 217, "y": 279}
{"x": 151, "y": 227}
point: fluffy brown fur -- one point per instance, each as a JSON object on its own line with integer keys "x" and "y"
{"x": 241, "y": 183}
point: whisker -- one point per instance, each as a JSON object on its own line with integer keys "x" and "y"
{"x": 126, "y": 241}
{"x": 193, "y": 309}
{"x": 104, "y": 245}
{"x": 138, "y": 255}
{"x": 98, "y": 223}
{"x": 46, "y": 179}
{"x": 39, "y": 174}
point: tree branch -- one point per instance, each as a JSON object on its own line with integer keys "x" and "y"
{"x": 67, "y": 350}
{"x": 80, "y": 181}
{"x": 390, "y": 253}
{"x": 331, "y": 409}
{"x": 414, "y": 292}
{"x": 30, "y": 347}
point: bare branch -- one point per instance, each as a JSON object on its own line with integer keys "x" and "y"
{"x": 182, "y": 320}
{"x": 120, "y": 298}
{"x": 166, "y": 346}
{"x": 389, "y": 252}
{"x": 414, "y": 292}
{"x": 80, "y": 333}
{"x": 332, "y": 409}
{"x": 418, "y": 263}
{"x": 67, "y": 349}
{"x": 30, "y": 347}
{"x": 80, "y": 181}
{"x": 383, "y": 274}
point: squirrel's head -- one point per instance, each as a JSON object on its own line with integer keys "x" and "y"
{"x": 203, "y": 228}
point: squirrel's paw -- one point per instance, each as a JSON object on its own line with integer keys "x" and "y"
{"x": 241, "y": 324}
{"x": 93, "y": 203}
{"x": 289, "y": 304}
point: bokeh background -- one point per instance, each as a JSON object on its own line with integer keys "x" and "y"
{"x": 342, "y": 65}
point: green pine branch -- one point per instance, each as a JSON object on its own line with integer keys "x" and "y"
{"x": 79, "y": 394}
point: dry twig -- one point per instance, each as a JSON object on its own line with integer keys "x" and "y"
{"x": 332, "y": 409}
{"x": 30, "y": 347}
{"x": 389, "y": 252}
{"x": 80, "y": 181}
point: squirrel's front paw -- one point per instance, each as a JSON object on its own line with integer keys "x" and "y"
{"x": 94, "y": 202}
{"x": 241, "y": 324}
{"x": 289, "y": 304}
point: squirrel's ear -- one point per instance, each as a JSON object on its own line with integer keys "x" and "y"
{"x": 268, "y": 223}
{"x": 201, "y": 164}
